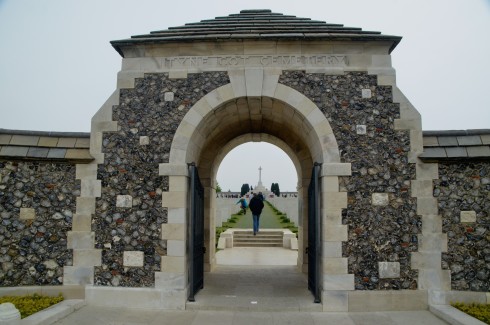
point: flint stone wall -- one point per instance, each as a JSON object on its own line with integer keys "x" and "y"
{"x": 466, "y": 187}
{"x": 364, "y": 129}
{"x": 33, "y": 242}
{"x": 148, "y": 116}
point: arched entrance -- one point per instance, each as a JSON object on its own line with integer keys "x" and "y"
{"x": 234, "y": 114}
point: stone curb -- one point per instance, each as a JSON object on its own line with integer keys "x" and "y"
{"x": 453, "y": 316}
{"x": 54, "y": 313}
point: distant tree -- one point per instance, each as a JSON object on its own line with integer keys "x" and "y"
{"x": 245, "y": 189}
{"x": 218, "y": 188}
{"x": 275, "y": 189}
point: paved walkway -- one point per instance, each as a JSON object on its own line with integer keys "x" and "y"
{"x": 253, "y": 292}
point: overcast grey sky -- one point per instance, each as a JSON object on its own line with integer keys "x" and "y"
{"x": 57, "y": 66}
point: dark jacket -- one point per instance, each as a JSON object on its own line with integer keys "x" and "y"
{"x": 256, "y": 205}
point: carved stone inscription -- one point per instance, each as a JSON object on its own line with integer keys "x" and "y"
{"x": 256, "y": 60}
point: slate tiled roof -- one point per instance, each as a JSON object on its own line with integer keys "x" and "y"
{"x": 38, "y": 145}
{"x": 439, "y": 146}
{"x": 456, "y": 145}
{"x": 256, "y": 24}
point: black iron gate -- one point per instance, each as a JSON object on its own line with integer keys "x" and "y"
{"x": 314, "y": 234}
{"x": 196, "y": 237}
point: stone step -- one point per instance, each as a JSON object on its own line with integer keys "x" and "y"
{"x": 262, "y": 232}
{"x": 258, "y": 239}
{"x": 264, "y": 238}
{"x": 257, "y": 244}
{"x": 259, "y": 236}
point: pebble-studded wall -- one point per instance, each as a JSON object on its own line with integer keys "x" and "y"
{"x": 363, "y": 124}
{"x": 37, "y": 203}
{"x": 148, "y": 117}
{"x": 463, "y": 192}
{"x": 37, "y": 198}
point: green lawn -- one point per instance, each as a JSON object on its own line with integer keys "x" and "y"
{"x": 268, "y": 219}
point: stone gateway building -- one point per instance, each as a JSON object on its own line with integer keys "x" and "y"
{"x": 390, "y": 217}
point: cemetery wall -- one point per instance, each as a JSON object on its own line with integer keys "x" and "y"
{"x": 37, "y": 205}
{"x": 463, "y": 193}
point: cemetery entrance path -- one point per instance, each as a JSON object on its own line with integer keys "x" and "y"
{"x": 255, "y": 288}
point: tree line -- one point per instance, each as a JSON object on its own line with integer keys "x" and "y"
{"x": 247, "y": 188}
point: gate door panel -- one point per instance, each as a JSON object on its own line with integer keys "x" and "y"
{"x": 196, "y": 238}
{"x": 314, "y": 234}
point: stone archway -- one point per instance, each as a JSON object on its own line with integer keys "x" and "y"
{"x": 255, "y": 103}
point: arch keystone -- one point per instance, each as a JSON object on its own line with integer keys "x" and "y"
{"x": 254, "y": 79}
{"x": 237, "y": 80}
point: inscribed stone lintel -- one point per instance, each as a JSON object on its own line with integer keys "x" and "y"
{"x": 239, "y": 61}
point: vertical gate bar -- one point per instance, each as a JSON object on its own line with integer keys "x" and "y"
{"x": 314, "y": 234}
{"x": 196, "y": 236}
{"x": 317, "y": 234}
{"x": 192, "y": 232}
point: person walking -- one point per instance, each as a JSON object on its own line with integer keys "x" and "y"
{"x": 256, "y": 205}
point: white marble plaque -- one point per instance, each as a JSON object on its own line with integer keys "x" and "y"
{"x": 366, "y": 93}
{"x": 361, "y": 129}
{"x": 169, "y": 96}
{"x": 468, "y": 216}
{"x": 27, "y": 213}
{"x": 124, "y": 201}
{"x": 389, "y": 270}
{"x": 144, "y": 141}
{"x": 380, "y": 199}
{"x": 133, "y": 258}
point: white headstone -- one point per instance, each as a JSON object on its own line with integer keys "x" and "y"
{"x": 9, "y": 314}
